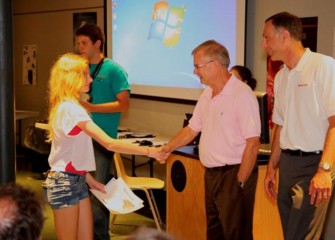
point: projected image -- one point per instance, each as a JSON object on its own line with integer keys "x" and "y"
{"x": 166, "y": 23}
{"x": 153, "y": 39}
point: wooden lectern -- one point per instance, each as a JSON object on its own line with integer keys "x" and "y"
{"x": 185, "y": 217}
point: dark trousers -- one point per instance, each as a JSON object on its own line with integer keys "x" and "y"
{"x": 300, "y": 220}
{"x": 229, "y": 208}
{"x": 103, "y": 159}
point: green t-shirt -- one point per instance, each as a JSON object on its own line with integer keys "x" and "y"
{"x": 109, "y": 81}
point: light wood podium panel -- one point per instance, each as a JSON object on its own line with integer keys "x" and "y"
{"x": 266, "y": 220}
{"x": 185, "y": 216}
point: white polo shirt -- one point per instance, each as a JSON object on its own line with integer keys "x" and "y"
{"x": 304, "y": 100}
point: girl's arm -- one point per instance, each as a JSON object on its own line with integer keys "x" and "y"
{"x": 93, "y": 130}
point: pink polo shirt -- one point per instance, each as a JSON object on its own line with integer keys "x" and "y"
{"x": 225, "y": 122}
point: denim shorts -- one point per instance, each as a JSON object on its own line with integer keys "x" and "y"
{"x": 64, "y": 189}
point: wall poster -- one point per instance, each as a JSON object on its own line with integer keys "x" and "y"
{"x": 29, "y": 64}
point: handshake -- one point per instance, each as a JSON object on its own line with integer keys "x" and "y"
{"x": 160, "y": 154}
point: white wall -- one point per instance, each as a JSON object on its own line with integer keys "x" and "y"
{"x": 161, "y": 117}
{"x": 48, "y": 24}
{"x": 170, "y": 117}
{"x": 259, "y": 10}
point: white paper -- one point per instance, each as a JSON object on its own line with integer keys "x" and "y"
{"x": 119, "y": 198}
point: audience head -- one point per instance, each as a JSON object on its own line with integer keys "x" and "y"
{"x": 21, "y": 213}
{"x": 289, "y": 22}
{"x": 245, "y": 75}
{"x": 145, "y": 233}
{"x": 214, "y": 50}
{"x": 93, "y": 32}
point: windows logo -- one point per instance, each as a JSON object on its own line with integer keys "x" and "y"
{"x": 166, "y": 23}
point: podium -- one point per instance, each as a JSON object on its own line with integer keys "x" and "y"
{"x": 185, "y": 211}
{"x": 185, "y": 217}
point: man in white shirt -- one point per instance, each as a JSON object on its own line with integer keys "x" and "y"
{"x": 304, "y": 131}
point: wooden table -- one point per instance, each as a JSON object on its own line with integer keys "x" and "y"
{"x": 135, "y": 137}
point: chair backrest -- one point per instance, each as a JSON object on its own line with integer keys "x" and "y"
{"x": 120, "y": 171}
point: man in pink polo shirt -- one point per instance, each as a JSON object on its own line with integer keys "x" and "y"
{"x": 227, "y": 115}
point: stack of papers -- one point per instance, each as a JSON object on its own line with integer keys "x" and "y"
{"x": 119, "y": 198}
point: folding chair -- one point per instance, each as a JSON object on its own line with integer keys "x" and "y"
{"x": 146, "y": 184}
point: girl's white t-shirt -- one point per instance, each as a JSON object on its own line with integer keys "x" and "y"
{"x": 71, "y": 146}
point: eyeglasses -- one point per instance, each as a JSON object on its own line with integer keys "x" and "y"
{"x": 197, "y": 66}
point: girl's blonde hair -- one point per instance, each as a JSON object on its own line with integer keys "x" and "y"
{"x": 67, "y": 77}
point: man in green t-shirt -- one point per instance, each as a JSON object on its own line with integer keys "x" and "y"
{"x": 109, "y": 94}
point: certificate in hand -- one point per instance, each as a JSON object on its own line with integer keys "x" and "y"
{"x": 119, "y": 198}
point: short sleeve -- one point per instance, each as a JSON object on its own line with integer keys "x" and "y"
{"x": 69, "y": 115}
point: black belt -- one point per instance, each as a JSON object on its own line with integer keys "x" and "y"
{"x": 300, "y": 153}
{"x": 223, "y": 168}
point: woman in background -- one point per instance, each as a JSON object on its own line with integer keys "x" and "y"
{"x": 71, "y": 156}
{"x": 245, "y": 75}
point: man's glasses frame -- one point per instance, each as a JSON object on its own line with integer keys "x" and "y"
{"x": 198, "y": 66}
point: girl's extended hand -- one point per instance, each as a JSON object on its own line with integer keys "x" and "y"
{"x": 158, "y": 154}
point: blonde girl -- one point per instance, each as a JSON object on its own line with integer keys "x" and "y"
{"x": 71, "y": 157}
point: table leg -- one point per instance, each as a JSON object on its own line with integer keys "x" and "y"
{"x": 133, "y": 166}
{"x": 18, "y": 134}
{"x": 151, "y": 166}
{"x": 150, "y": 162}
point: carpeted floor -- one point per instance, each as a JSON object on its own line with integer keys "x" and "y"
{"x": 28, "y": 175}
